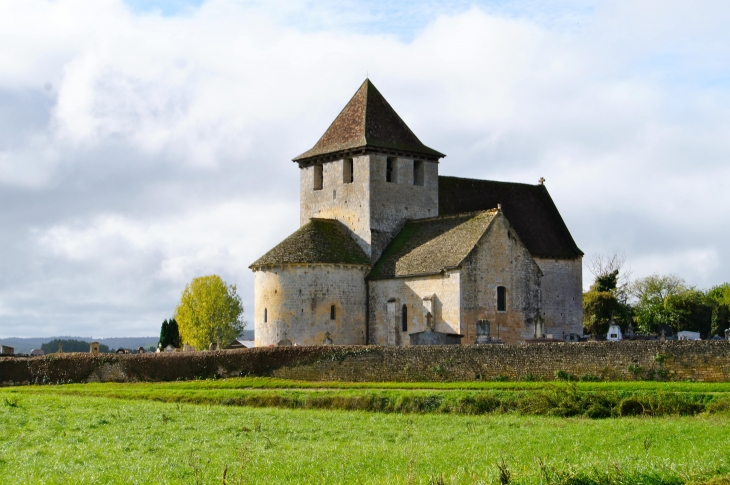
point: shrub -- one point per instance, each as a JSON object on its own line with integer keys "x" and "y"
{"x": 631, "y": 406}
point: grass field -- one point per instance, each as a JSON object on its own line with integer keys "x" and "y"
{"x": 594, "y": 400}
{"x": 74, "y": 434}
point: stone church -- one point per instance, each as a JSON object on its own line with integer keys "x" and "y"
{"x": 388, "y": 250}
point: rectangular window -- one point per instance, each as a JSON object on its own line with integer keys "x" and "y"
{"x": 501, "y": 299}
{"x": 347, "y": 175}
{"x": 332, "y": 312}
{"x": 266, "y": 315}
{"x": 404, "y": 318}
{"x": 390, "y": 172}
{"x": 418, "y": 178}
{"x": 318, "y": 177}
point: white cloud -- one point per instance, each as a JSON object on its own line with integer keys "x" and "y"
{"x": 161, "y": 149}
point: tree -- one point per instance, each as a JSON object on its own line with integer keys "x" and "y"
{"x": 720, "y": 298}
{"x": 70, "y": 345}
{"x": 606, "y": 299}
{"x": 666, "y": 300}
{"x": 169, "y": 334}
{"x": 209, "y": 311}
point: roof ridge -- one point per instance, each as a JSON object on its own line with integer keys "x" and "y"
{"x": 452, "y": 216}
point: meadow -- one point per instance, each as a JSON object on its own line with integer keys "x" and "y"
{"x": 154, "y": 433}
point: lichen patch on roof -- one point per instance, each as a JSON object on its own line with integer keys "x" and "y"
{"x": 428, "y": 246}
{"x": 323, "y": 241}
{"x": 368, "y": 121}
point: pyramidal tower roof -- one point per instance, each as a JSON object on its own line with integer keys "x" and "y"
{"x": 366, "y": 123}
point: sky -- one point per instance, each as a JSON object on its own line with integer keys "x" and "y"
{"x": 144, "y": 143}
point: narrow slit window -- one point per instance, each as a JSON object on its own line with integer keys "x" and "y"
{"x": 333, "y": 312}
{"x": 266, "y": 315}
{"x": 404, "y": 318}
{"x": 501, "y": 299}
{"x": 318, "y": 177}
{"x": 390, "y": 174}
{"x": 418, "y": 172}
{"x": 347, "y": 175}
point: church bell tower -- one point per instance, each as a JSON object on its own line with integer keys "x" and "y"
{"x": 370, "y": 172}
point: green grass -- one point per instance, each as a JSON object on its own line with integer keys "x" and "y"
{"x": 53, "y": 438}
{"x": 595, "y": 400}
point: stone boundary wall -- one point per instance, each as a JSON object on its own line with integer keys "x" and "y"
{"x": 707, "y": 361}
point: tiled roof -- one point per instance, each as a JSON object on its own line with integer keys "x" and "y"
{"x": 529, "y": 209}
{"x": 428, "y": 246}
{"x": 318, "y": 241}
{"x": 368, "y": 121}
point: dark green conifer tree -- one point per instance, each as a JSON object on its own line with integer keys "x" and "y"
{"x": 163, "y": 334}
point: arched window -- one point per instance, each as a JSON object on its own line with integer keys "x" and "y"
{"x": 332, "y": 312}
{"x": 501, "y": 299}
{"x": 266, "y": 316}
{"x": 404, "y": 318}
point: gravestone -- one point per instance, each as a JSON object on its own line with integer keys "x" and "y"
{"x": 327, "y": 339}
{"x": 169, "y": 348}
{"x": 188, "y": 348}
{"x": 213, "y": 346}
{"x": 285, "y": 342}
{"x": 140, "y": 350}
{"x": 5, "y": 350}
{"x": 94, "y": 347}
{"x": 484, "y": 333}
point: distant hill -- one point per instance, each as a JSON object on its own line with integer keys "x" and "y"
{"x": 25, "y": 345}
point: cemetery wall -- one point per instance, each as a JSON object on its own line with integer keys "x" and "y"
{"x": 707, "y": 361}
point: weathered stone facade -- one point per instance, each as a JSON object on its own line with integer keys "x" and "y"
{"x": 296, "y": 301}
{"x": 445, "y": 260}
{"x": 373, "y": 208}
{"x": 458, "y": 298}
{"x": 500, "y": 259}
{"x": 562, "y": 296}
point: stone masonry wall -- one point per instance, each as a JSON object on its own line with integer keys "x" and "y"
{"x": 371, "y": 207}
{"x": 392, "y": 203}
{"x": 562, "y": 296}
{"x": 500, "y": 259}
{"x": 298, "y": 300}
{"x": 348, "y": 203}
{"x": 707, "y": 361}
{"x": 387, "y": 298}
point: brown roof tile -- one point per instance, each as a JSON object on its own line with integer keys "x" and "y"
{"x": 368, "y": 121}
{"x": 318, "y": 241}
{"x": 427, "y": 246}
{"x": 529, "y": 209}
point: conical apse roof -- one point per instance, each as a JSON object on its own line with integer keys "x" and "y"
{"x": 368, "y": 121}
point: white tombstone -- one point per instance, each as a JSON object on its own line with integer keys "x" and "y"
{"x": 169, "y": 348}
{"x": 687, "y": 335}
{"x": 614, "y": 332}
{"x": 36, "y": 352}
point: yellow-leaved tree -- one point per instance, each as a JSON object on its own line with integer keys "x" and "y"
{"x": 209, "y": 311}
